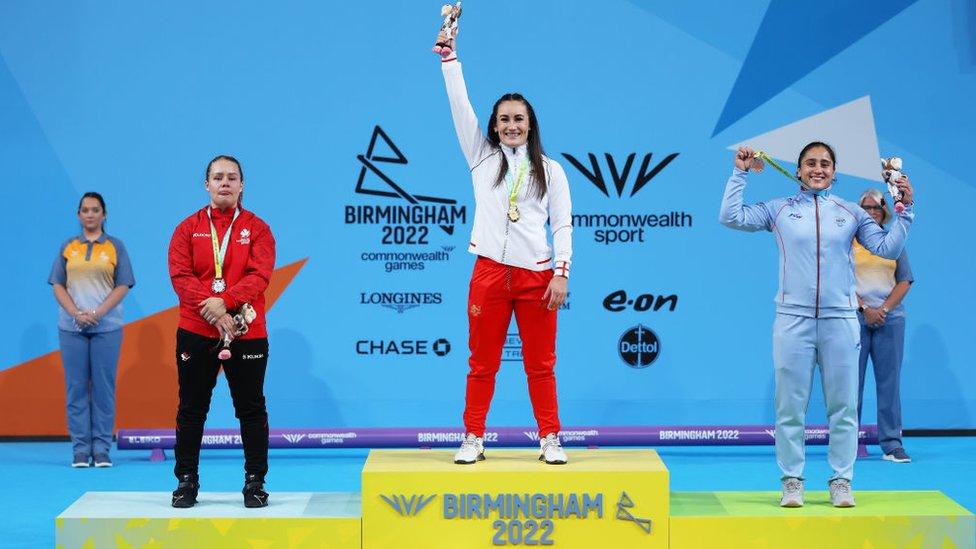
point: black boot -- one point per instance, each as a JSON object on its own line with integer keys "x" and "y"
{"x": 254, "y": 494}
{"x": 185, "y": 494}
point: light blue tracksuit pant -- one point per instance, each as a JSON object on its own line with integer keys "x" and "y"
{"x": 90, "y": 363}
{"x": 800, "y": 344}
{"x": 886, "y": 346}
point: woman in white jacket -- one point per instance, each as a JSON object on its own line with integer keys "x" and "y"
{"x": 517, "y": 190}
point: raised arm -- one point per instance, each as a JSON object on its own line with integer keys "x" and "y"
{"x": 736, "y": 215}
{"x": 473, "y": 142}
{"x": 888, "y": 244}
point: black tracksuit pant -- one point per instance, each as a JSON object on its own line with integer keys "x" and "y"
{"x": 197, "y": 365}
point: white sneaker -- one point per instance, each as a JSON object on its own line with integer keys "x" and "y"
{"x": 841, "y": 494}
{"x": 472, "y": 450}
{"x": 551, "y": 451}
{"x": 792, "y": 493}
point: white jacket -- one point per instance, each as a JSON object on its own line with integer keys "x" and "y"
{"x": 523, "y": 243}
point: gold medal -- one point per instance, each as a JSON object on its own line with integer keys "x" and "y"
{"x": 513, "y": 213}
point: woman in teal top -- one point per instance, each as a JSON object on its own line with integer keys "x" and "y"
{"x": 90, "y": 276}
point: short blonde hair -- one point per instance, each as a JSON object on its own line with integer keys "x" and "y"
{"x": 877, "y": 196}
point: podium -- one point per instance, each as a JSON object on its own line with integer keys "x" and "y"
{"x": 880, "y": 519}
{"x": 601, "y": 498}
{"x": 219, "y": 520}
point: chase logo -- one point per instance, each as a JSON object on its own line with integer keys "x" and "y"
{"x": 408, "y": 507}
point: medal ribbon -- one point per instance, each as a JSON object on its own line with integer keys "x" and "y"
{"x": 764, "y": 156}
{"x": 220, "y": 250}
{"x": 517, "y": 183}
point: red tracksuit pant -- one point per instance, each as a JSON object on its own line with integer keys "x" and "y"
{"x": 496, "y": 292}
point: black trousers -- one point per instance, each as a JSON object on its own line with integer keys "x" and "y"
{"x": 197, "y": 365}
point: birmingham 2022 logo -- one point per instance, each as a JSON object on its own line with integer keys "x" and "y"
{"x": 406, "y": 221}
{"x": 520, "y": 518}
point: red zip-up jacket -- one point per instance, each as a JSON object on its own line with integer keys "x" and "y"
{"x": 247, "y": 267}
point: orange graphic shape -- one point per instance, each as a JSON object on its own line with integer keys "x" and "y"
{"x": 32, "y": 401}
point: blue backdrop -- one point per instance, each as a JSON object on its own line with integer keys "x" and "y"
{"x": 132, "y": 99}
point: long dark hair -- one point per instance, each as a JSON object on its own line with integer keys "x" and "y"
{"x": 101, "y": 202}
{"x": 534, "y": 144}
{"x": 206, "y": 174}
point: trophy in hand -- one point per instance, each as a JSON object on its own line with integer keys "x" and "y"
{"x": 449, "y": 29}
{"x": 245, "y": 315}
{"x": 891, "y": 172}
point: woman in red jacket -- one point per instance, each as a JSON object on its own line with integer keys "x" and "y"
{"x": 220, "y": 258}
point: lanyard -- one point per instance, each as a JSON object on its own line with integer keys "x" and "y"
{"x": 517, "y": 183}
{"x": 220, "y": 250}
{"x": 764, "y": 156}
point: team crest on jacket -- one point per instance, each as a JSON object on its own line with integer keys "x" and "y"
{"x": 245, "y": 236}
{"x": 840, "y": 221}
{"x": 475, "y": 310}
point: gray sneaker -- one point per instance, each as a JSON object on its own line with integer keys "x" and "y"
{"x": 841, "y": 494}
{"x": 792, "y": 492}
{"x": 898, "y": 455}
{"x": 80, "y": 461}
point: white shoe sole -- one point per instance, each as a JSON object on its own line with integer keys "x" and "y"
{"x": 556, "y": 462}
{"x": 844, "y": 504}
{"x": 893, "y": 459}
{"x": 790, "y": 504}
{"x": 103, "y": 465}
{"x": 80, "y": 465}
{"x": 481, "y": 457}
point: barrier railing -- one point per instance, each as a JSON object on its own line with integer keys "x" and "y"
{"x": 435, "y": 437}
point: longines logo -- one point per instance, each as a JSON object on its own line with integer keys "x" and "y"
{"x": 408, "y": 507}
{"x": 619, "y": 301}
{"x": 407, "y": 220}
{"x": 400, "y": 301}
{"x": 401, "y": 347}
{"x": 624, "y": 228}
{"x": 639, "y": 347}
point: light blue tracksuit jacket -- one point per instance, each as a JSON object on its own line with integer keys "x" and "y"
{"x": 816, "y": 305}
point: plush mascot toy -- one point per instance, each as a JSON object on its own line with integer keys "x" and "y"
{"x": 245, "y": 315}
{"x": 891, "y": 172}
{"x": 449, "y": 29}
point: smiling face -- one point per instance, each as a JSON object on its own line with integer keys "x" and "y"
{"x": 512, "y": 123}
{"x": 91, "y": 214}
{"x": 816, "y": 169}
{"x": 224, "y": 184}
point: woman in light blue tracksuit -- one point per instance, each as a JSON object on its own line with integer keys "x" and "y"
{"x": 816, "y": 305}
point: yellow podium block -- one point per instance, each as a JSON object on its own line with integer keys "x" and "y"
{"x": 601, "y": 498}
{"x": 893, "y": 519}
